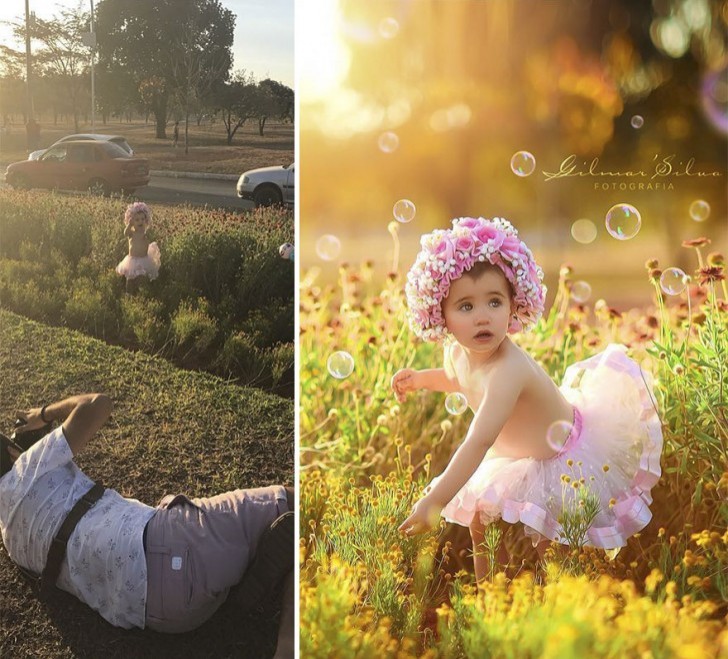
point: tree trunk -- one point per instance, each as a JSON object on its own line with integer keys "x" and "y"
{"x": 261, "y": 125}
{"x": 159, "y": 107}
{"x": 187, "y": 128}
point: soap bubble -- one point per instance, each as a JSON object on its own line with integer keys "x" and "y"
{"x": 714, "y": 96}
{"x": 388, "y": 28}
{"x": 623, "y": 221}
{"x": 404, "y": 211}
{"x": 557, "y": 434}
{"x": 700, "y": 210}
{"x": 388, "y": 142}
{"x": 673, "y": 281}
{"x": 286, "y": 251}
{"x": 580, "y": 291}
{"x": 340, "y": 364}
{"x": 584, "y": 231}
{"x": 523, "y": 163}
{"x": 328, "y": 247}
{"x": 637, "y": 121}
{"x": 456, "y": 403}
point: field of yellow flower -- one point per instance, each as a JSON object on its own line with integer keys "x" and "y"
{"x": 367, "y": 591}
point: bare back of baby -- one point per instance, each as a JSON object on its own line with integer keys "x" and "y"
{"x": 539, "y": 404}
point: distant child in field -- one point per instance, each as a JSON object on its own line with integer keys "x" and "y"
{"x": 144, "y": 258}
{"x": 532, "y": 449}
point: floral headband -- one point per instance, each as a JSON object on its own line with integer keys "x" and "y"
{"x": 137, "y": 207}
{"x": 447, "y": 254}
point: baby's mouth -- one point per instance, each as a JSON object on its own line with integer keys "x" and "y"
{"x": 484, "y": 335}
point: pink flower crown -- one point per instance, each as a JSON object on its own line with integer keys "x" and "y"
{"x": 137, "y": 207}
{"x": 447, "y": 254}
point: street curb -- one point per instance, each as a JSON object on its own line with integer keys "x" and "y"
{"x": 203, "y": 175}
{"x": 164, "y": 172}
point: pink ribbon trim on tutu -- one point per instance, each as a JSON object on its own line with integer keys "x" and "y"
{"x": 574, "y": 434}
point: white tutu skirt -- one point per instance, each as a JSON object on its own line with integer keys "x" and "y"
{"x": 141, "y": 266}
{"x": 614, "y": 445}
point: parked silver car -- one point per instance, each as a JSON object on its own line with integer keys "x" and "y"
{"x": 115, "y": 139}
{"x": 268, "y": 186}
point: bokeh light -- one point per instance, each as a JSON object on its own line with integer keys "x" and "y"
{"x": 456, "y": 403}
{"x": 557, "y": 434}
{"x": 404, "y": 211}
{"x": 328, "y": 247}
{"x": 700, "y": 210}
{"x": 623, "y": 221}
{"x": 673, "y": 281}
{"x": 584, "y": 231}
{"x": 340, "y": 365}
{"x": 523, "y": 163}
{"x": 637, "y": 121}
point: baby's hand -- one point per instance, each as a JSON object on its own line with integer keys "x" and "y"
{"x": 424, "y": 517}
{"x": 404, "y": 381}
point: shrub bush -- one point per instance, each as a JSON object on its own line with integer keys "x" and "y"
{"x": 223, "y": 300}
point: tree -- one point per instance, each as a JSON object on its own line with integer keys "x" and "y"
{"x": 63, "y": 56}
{"x": 195, "y": 71}
{"x": 275, "y": 100}
{"x": 238, "y": 101}
{"x": 150, "y": 39}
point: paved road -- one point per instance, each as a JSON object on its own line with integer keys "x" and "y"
{"x": 199, "y": 192}
{"x": 194, "y": 191}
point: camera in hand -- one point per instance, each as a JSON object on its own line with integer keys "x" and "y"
{"x": 20, "y": 441}
{"x": 28, "y": 438}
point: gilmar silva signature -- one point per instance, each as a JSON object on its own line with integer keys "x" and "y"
{"x": 665, "y": 167}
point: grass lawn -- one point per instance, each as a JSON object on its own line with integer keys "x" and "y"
{"x": 171, "y": 431}
{"x": 208, "y": 148}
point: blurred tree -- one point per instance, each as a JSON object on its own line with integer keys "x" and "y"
{"x": 196, "y": 68}
{"x": 63, "y": 54}
{"x": 275, "y": 100}
{"x": 238, "y": 101}
{"x": 150, "y": 39}
{"x": 117, "y": 92}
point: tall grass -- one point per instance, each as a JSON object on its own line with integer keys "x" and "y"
{"x": 365, "y": 459}
{"x": 221, "y": 279}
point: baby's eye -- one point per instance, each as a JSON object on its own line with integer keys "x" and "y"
{"x": 495, "y": 302}
{"x": 465, "y": 306}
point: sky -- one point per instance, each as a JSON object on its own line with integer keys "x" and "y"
{"x": 262, "y": 45}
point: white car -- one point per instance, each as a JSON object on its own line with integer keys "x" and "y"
{"x": 115, "y": 139}
{"x": 268, "y": 186}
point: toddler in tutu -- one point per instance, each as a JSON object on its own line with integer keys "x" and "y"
{"x": 143, "y": 259}
{"x": 530, "y": 445}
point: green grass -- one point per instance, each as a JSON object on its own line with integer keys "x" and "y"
{"x": 172, "y": 431}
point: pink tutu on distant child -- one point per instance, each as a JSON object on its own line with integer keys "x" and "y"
{"x": 141, "y": 266}
{"x": 615, "y": 424}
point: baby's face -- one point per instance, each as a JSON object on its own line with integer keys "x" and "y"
{"x": 138, "y": 221}
{"x": 477, "y": 310}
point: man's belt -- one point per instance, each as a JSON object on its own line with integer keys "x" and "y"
{"x": 57, "y": 550}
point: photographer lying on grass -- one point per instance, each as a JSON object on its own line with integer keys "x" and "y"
{"x": 167, "y": 568}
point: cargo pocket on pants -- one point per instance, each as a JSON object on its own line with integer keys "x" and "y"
{"x": 170, "y": 585}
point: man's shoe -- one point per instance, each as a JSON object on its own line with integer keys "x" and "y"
{"x": 274, "y": 559}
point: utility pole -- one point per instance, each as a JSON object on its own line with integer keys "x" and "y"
{"x": 29, "y": 100}
{"x": 93, "y": 57}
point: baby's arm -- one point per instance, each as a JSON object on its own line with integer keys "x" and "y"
{"x": 432, "y": 379}
{"x": 128, "y": 230}
{"x": 496, "y": 407}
